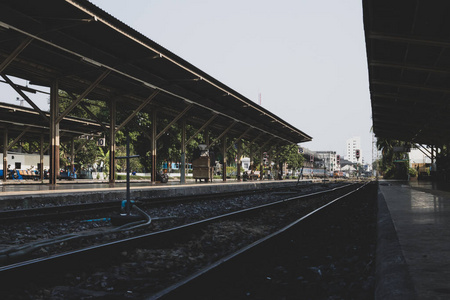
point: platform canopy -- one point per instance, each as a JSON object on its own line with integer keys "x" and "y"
{"x": 408, "y": 50}
{"x": 23, "y": 121}
{"x": 91, "y": 53}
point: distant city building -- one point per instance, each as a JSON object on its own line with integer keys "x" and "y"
{"x": 327, "y": 159}
{"x": 309, "y": 156}
{"x": 354, "y": 144}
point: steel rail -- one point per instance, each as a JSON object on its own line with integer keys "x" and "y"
{"x": 167, "y": 291}
{"x": 73, "y": 259}
{"x": 62, "y": 211}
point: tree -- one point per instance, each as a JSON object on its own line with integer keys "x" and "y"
{"x": 393, "y": 164}
{"x": 290, "y": 155}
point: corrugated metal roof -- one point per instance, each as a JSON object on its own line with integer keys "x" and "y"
{"x": 408, "y": 50}
{"x": 75, "y": 42}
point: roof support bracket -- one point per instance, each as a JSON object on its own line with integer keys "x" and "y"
{"x": 221, "y": 135}
{"x": 240, "y": 137}
{"x": 144, "y": 104}
{"x": 83, "y": 106}
{"x": 174, "y": 120}
{"x": 18, "y": 137}
{"x": 83, "y": 95}
{"x": 201, "y": 128}
{"x": 268, "y": 141}
{"x": 15, "y": 53}
{"x": 24, "y": 96}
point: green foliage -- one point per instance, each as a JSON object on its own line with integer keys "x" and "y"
{"x": 103, "y": 156}
{"x": 87, "y": 156}
{"x": 168, "y": 144}
{"x": 231, "y": 171}
{"x": 387, "y": 165}
{"x": 290, "y": 155}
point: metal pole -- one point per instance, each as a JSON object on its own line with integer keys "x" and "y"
{"x": 112, "y": 141}
{"x": 183, "y": 152}
{"x": 5, "y": 154}
{"x": 54, "y": 133}
{"x": 224, "y": 145}
{"x": 41, "y": 159}
{"x": 154, "y": 146}
{"x": 128, "y": 175}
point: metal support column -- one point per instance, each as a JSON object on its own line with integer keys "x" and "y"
{"x": 112, "y": 141}
{"x": 41, "y": 159}
{"x": 207, "y": 137}
{"x": 239, "y": 163}
{"x": 261, "y": 164}
{"x": 251, "y": 157}
{"x": 183, "y": 152}
{"x": 224, "y": 146}
{"x": 5, "y": 153}
{"x": 54, "y": 133}
{"x": 154, "y": 146}
{"x": 72, "y": 156}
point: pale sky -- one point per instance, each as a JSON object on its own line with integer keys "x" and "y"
{"x": 307, "y": 58}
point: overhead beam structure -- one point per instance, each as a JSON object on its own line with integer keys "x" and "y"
{"x": 408, "y": 56}
{"x": 71, "y": 46}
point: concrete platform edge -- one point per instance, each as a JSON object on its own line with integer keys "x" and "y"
{"x": 25, "y": 199}
{"x": 393, "y": 280}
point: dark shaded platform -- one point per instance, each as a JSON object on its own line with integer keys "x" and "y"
{"x": 413, "y": 254}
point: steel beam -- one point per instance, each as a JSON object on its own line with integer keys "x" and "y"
{"x": 25, "y": 97}
{"x": 201, "y": 128}
{"x": 144, "y": 104}
{"x": 5, "y": 153}
{"x": 15, "y": 53}
{"x": 183, "y": 152}
{"x": 410, "y": 86}
{"x": 409, "y": 39}
{"x": 240, "y": 137}
{"x": 174, "y": 120}
{"x": 239, "y": 162}
{"x": 224, "y": 147}
{"x": 112, "y": 141}
{"x": 72, "y": 155}
{"x": 106, "y": 129}
{"x": 83, "y": 95}
{"x": 18, "y": 137}
{"x": 154, "y": 144}
{"x": 41, "y": 158}
{"x": 54, "y": 133}
{"x": 261, "y": 166}
{"x": 387, "y": 64}
{"x": 221, "y": 135}
{"x": 144, "y": 82}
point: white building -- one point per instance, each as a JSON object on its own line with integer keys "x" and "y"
{"x": 353, "y": 144}
{"x": 24, "y": 161}
{"x": 328, "y": 158}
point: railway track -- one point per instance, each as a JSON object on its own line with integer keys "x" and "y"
{"x": 25, "y": 231}
{"x": 213, "y": 234}
{"x": 58, "y": 212}
{"x": 327, "y": 254}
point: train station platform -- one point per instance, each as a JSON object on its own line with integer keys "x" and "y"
{"x": 413, "y": 253}
{"x": 29, "y": 194}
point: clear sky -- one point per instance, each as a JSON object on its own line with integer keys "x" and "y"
{"x": 307, "y": 58}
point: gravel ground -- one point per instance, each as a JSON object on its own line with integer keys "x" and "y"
{"x": 165, "y": 216}
{"x": 145, "y": 271}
